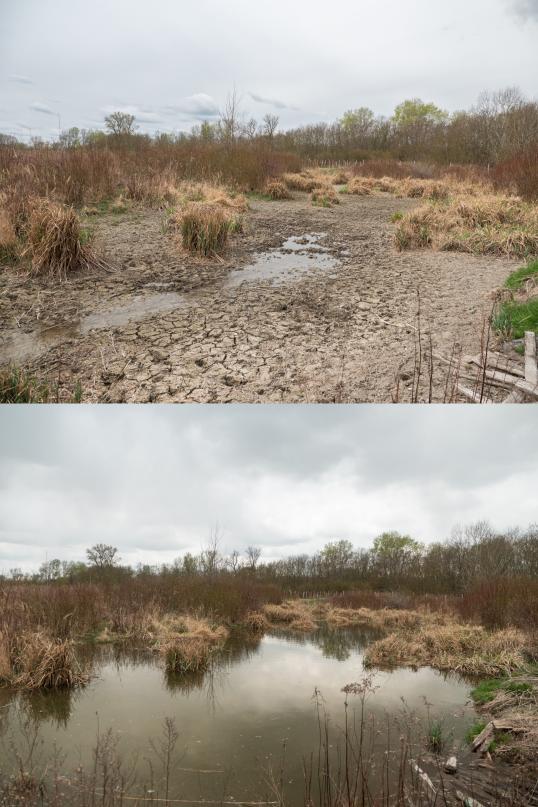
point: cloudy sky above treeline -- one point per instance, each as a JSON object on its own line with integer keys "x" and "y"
{"x": 171, "y": 63}
{"x": 155, "y": 481}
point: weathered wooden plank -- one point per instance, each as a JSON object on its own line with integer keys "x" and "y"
{"x": 484, "y": 737}
{"x": 529, "y": 389}
{"x": 531, "y": 368}
{"x": 497, "y": 362}
{"x": 515, "y": 397}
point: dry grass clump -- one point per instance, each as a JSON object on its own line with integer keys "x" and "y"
{"x": 296, "y": 615}
{"x": 468, "y": 649}
{"x": 255, "y": 622}
{"x": 55, "y": 242}
{"x": 422, "y": 189}
{"x": 340, "y": 178}
{"x": 494, "y": 225}
{"x": 305, "y": 181}
{"x": 380, "y": 619}
{"x": 325, "y": 196}
{"x": 304, "y": 624}
{"x": 35, "y": 661}
{"x": 9, "y": 243}
{"x": 187, "y": 643}
{"x": 185, "y": 654}
{"x": 281, "y": 613}
{"x": 204, "y": 229}
{"x": 360, "y": 186}
{"x": 277, "y": 190}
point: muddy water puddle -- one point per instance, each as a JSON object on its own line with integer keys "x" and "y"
{"x": 251, "y": 709}
{"x": 296, "y": 257}
{"x": 19, "y": 346}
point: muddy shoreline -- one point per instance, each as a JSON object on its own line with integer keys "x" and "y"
{"x": 332, "y": 325}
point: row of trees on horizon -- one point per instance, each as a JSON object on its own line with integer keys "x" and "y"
{"x": 473, "y": 553}
{"x": 500, "y": 125}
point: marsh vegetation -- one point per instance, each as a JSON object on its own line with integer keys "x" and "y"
{"x": 111, "y": 216}
{"x": 443, "y": 612}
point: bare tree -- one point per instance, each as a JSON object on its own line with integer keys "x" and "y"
{"x": 229, "y": 119}
{"x": 250, "y": 128}
{"x": 120, "y": 123}
{"x": 270, "y": 125}
{"x": 102, "y": 556}
{"x": 210, "y": 557}
{"x": 253, "y": 556}
{"x": 234, "y": 561}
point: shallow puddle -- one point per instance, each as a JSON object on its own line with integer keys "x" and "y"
{"x": 252, "y": 709}
{"x": 296, "y": 257}
{"x": 19, "y": 346}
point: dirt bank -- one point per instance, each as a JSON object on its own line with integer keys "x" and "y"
{"x": 317, "y": 321}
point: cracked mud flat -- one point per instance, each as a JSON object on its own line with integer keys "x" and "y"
{"x": 309, "y": 305}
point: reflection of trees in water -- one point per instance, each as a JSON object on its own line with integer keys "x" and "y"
{"x": 55, "y": 705}
{"x": 334, "y": 643}
{"x": 239, "y": 647}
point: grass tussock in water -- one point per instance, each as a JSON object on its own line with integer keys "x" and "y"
{"x": 296, "y": 615}
{"x": 482, "y": 225}
{"x": 255, "y": 622}
{"x": 189, "y": 645}
{"x": 468, "y": 649}
{"x": 35, "y": 661}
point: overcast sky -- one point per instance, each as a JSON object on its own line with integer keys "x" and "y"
{"x": 172, "y": 62}
{"x": 155, "y": 480}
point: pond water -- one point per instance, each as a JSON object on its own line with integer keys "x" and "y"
{"x": 287, "y": 263}
{"x": 233, "y": 722}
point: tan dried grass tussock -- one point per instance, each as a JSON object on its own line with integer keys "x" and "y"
{"x": 481, "y": 225}
{"x": 55, "y": 242}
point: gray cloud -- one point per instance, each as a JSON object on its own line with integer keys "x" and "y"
{"x": 37, "y": 106}
{"x": 163, "y": 60}
{"x": 154, "y": 481}
{"x": 272, "y": 102}
{"x": 20, "y": 79}
{"x": 526, "y": 9}
{"x": 198, "y": 106}
{"x": 142, "y": 114}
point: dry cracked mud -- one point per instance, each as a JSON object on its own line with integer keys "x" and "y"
{"x": 309, "y": 305}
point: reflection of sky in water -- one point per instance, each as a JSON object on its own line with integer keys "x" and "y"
{"x": 237, "y": 718}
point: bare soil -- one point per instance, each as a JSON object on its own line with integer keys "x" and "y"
{"x": 169, "y": 328}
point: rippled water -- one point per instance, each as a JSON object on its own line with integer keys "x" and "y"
{"x": 234, "y": 721}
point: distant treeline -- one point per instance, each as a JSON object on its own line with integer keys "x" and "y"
{"x": 395, "y": 562}
{"x": 498, "y": 127}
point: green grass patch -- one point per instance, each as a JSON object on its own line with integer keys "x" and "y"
{"x": 486, "y": 690}
{"x": 436, "y": 739}
{"x": 518, "y": 278}
{"x": 19, "y": 387}
{"x": 16, "y": 386}
{"x": 475, "y": 730}
{"x": 514, "y": 318}
{"x": 259, "y": 197}
{"x": 396, "y": 217}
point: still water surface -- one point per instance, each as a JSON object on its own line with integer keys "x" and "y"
{"x": 235, "y": 720}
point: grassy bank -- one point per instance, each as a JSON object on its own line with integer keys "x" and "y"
{"x": 517, "y": 311}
